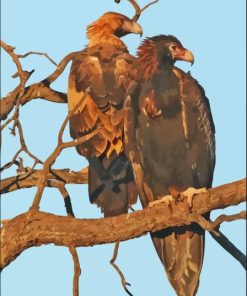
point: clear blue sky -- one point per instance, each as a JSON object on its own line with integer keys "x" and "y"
{"x": 215, "y": 32}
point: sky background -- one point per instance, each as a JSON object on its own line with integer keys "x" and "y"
{"x": 215, "y": 32}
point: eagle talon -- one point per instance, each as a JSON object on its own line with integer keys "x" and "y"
{"x": 165, "y": 199}
{"x": 190, "y": 193}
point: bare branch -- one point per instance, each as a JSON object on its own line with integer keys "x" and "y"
{"x": 72, "y": 249}
{"x": 34, "y": 91}
{"x": 36, "y": 228}
{"x": 7, "y": 123}
{"x": 77, "y": 271}
{"x": 60, "y": 68}
{"x": 37, "y": 53}
{"x": 23, "y": 145}
{"x": 137, "y": 8}
{"x": 31, "y": 178}
{"x": 51, "y": 159}
{"x": 60, "y": 146}
{"x": 13, "y": 161}
{"x": 112, "y": 262}
{"x": 228, "y": 218}
{"x": 37, "y": 90}
{"x": 65, "y": 194}
{"x": 23, "y": 75}
{"x": 226, "y": 244}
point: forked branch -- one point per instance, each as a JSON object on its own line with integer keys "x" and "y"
{"x": 137, "y": 8}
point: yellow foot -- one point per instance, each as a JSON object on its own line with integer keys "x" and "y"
{"x": 190, "y": 192}
{"x": 165, "y": 199}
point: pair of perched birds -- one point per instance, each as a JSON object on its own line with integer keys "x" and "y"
{"x": 157, "y": 135}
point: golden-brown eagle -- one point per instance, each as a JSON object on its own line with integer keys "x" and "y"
{"x": 170, "y": 142}
{"x": 106, "y": 67}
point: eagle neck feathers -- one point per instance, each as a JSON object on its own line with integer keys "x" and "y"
{"x": 102, "y": 33}
{"x": 148, "y": 59}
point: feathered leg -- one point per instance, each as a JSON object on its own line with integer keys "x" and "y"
{"x": 111, "y": 184}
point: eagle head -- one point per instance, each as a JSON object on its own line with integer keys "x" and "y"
{"x": 113, "y": 23}
{"x": 159, "y": 51}
{"x": 171, "y": 49}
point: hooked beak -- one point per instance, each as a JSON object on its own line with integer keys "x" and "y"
{"x": 183, "y": 54}
{"x": 132, "y": 27}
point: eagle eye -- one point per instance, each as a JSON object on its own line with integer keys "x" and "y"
{"x": 122, "y": 21}
{"x": 173, "y": 47}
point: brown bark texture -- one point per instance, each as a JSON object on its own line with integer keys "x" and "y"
{"x": 36, "y": 228}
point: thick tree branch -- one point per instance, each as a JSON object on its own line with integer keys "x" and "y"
{"x": 36, "y": 228}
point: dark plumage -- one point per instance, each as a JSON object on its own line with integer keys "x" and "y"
{"x": 107, "y": 68}
{"x": 170, "y": 142}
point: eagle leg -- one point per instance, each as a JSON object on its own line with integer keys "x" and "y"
{"x": 118, "y": 166}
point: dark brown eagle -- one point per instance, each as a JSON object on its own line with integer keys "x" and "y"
{"x": 170, "y": 142}
{"x": 106, "y": 67}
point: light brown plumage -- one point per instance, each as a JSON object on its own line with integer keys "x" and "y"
{"x": 106, "y": 67}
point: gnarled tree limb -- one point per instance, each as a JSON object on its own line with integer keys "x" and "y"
{"x": 36, "y": 228}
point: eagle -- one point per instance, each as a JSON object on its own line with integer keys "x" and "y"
{"x": 170, "y": 141}
{"x": 106, "y": 68}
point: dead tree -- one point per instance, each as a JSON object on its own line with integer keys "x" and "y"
{"x": 45, "y": 228}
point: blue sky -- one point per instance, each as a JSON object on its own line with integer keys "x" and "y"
{"x": 215, "y": 32}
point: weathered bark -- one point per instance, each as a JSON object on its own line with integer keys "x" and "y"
{"x": 36, "y": 228}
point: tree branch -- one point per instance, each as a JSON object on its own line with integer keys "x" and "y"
{"x": 77, "y": 270}
{"x": 118, "y": 270}
{"x": 36, "y": 228}
{"x": 37, "y": 90}
{"x": 60, "y": 146}
{"x": 230, "y": 248}
{"x": 137, "y": 8}
{"x": 31, "y": 178}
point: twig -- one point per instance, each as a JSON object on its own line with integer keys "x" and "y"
{"x": 67, "y": 200}
{"x": 228, "y": 218}
{"x": 31, "y": 178}
{"x": 37, "y": 90}
{"x": 112, "y": 262}
{"x": 24, "y": 146}
{"x": 230, "y": 248}
{"x": 72, "y": 249}
{"x": 214, "y": 226}
{"x": 77, "y": 271}
{"x": 51, "y": 159}
{"x": 137, "y": 8}
{"x": 60, "y": 146}
{"x": 13, "y": 161}
{"x": 23, "y": 75}
{"x": 6, "y": 123}
{"x": 60, "y": 68}
{"x": 37, "y": 53}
